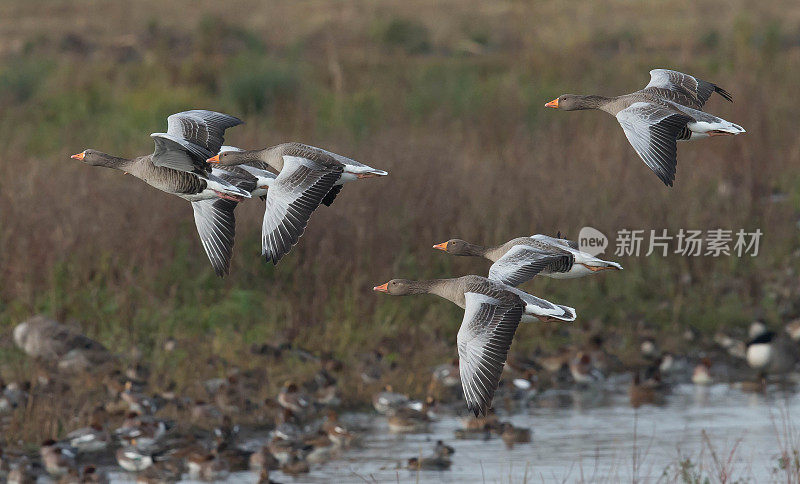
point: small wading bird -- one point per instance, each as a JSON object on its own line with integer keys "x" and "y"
{"x": 519, "y": 260}
{"x": 307, "y": 177}
{"x": 492, "y": 312}
{"x": 178, "y": 166}
{"x": 668, "y": 109}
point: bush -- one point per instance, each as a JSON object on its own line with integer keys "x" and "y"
{"x": 409, "y": 35}
{"x": 256, "y": 86}
{"x": 20, "y": 79}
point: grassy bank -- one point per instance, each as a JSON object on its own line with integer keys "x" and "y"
{"x": 450, "y": 103}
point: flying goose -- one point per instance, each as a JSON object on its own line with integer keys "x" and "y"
{"x": 492, "y": 312}
{"x": 307, "y": 177}
{"x": 668, "y": 109}
{"x": 519, "y": 260}
{"x": 178, "y": 166}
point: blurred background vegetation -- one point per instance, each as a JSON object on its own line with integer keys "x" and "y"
{"x": 448, "y": 97}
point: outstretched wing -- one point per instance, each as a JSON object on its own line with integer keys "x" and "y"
{"x": 522, "y": 262}
{"x": 201, "y": 128}
{"x": 291, "y": 199}
{"x": 653, "y": 131}
{"x": 216, "y": 225}
{"x": 558, "y": 241}
{"x": 483, "y": 341}
{"x": 191, "y": 138}
{"x": 683, "y": 88}
{"x": 331, "y": 196}
{"x": 179, "y": 154}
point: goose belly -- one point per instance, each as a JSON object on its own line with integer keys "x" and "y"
{"x": 346, "y": 177}
{"x": 577, "y": 270}
{"x": 700, "y": 129}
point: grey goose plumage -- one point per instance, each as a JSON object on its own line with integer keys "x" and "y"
{"x": 178, "y": 166}
{"x": 668, "y": 109}
{"x": 520, "y": 259}
{"x": 492, "y": 312}
{"x": 307, "y": 177}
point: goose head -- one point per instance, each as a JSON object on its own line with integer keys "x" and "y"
{"x": 573, "y": 102}
{"x": 400, "y": 287}
{"x": 97, "y": 158}
{"x": 460, "y": 247}
{"x": 231, "y": 157}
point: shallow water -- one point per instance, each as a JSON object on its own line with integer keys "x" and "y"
{"x": 590, "y": 435}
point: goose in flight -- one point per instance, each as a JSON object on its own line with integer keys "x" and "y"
{"x": 178, "y": 166}
{"x": 519, "y": 260}
{"x": 668, "y": 109}
{"x": 307, "y": 177}
{"x": 492, "y": 312}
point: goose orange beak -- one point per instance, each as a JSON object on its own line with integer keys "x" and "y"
{"x": 213, "y": 159}
{"x": 552, "y": 104}
{"x": 79, "y": 156}
{"x": 442, "y": 246}
{"x": 382, "y": 288}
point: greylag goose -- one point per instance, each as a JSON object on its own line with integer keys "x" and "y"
{"x": 307, "y": 177}
{"x": 519, "y": 260}
{"x": 492, "y": 312}
{"x": 668, "y": 109}
{"x": 178, "y": 166}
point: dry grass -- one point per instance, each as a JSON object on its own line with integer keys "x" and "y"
{"x": 458, "y": 123}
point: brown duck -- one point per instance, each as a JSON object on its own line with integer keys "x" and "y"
{"x": 668, "y": 109}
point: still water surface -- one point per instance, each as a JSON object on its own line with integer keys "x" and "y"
{"x": 590, "y": 435}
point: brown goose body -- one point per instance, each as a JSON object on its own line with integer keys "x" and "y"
{"x": 178, "y": 166}
{"x": 274, "y": 158}
{"x": 495, "y": 253}
{"x": 307, "y": 178}
{"x": 492, "y": 312}
{"x": 522, "y": 258}
{"x": 180, "y": 183}
{"x": 668, "y": 109}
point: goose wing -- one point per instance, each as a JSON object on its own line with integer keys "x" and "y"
{"x": 236, "y": 176}
{"x": 557, "y": 241}
{"x": 522, "y": 262}
{"x": 201, "y": 128}
{"x": 683, "y": 88}
{"x": 291, "y": 199}
{"x": 179, "y": 154}
{"x": 653, "y": 131}
{"x": 191, "y": 138}
{"x": 216, "y": 225}
{"x": 483, "y": 341}
{"x": 328, "y": 157}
